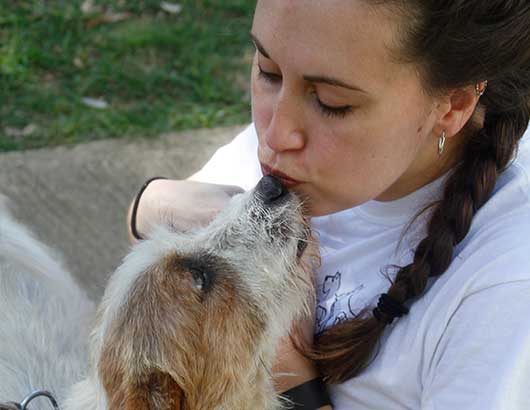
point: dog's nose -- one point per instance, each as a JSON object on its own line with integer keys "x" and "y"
{"x": 271, "y": 189}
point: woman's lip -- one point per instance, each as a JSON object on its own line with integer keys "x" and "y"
{"x": 285, "y": 179}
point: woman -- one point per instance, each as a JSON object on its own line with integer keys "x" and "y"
{"x": 374, "y": 110}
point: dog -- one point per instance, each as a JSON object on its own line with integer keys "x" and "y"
{"x": 189, "y": 320}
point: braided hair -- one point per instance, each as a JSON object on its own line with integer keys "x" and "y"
{"x": 455, "y": 43}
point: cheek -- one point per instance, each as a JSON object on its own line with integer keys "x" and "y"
{"x": 347, "y": 144}
{"x": 326, "y": 151}
{"x": 365, "y": 149}
{"x": 391, "y": 137}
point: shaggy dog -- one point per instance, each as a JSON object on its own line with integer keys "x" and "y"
{"x": 188, "y": 321}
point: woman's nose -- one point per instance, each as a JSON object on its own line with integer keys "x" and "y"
{"x": 285, "y": 131}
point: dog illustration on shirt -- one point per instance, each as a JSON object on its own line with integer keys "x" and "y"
{"x": 342, "y": 307}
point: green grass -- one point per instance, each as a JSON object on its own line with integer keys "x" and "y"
{"x": 157, "y": 71}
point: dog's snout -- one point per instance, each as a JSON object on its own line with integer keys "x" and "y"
{"x": 271, "y": 189}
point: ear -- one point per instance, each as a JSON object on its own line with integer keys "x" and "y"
{"x": 455, "y": 110}
{"x": 157, "y": 392}
{"x": 147, "y": 389}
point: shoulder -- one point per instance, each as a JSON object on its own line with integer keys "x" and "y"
{"x": 497, "y": 242}
{"x": 475, "y": 314}
{"x": 494, "y": 257}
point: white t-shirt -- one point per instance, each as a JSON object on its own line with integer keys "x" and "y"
{"x": 466, "y": 342}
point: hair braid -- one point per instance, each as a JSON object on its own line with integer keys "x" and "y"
{"x": 467, "y": 189}
{"x": 450, "y": 53}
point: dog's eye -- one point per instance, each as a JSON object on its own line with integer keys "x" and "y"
{"x": 201, "y": 279}
{"x": 203, "y": 268}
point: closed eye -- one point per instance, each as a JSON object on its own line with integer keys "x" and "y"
{"x": 333, "y": 111}
{"x": 269, "y": 77}
{"x": 326, "y": 110}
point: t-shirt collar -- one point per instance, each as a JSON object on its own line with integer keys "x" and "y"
{"x": 394, "y": 212}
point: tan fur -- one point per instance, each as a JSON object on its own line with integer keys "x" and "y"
{"x": 174, "y": 345}
{"x": 188, "y": 321}
{"x": 195, "y": 343}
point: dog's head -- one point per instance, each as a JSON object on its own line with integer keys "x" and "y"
{"x": 188, "y": 317}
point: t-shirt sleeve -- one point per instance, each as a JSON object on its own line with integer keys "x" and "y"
{"x": 235, "y": 163}
{"x": 482, "y": 360}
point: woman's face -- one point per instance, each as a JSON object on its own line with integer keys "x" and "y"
{"x": 337, "y": 119}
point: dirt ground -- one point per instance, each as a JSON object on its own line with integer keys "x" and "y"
{"x": 75, "y": 198}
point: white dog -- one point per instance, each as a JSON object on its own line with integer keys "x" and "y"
{"x": 188, "y": 321}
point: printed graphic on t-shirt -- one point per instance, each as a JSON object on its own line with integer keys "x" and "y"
{"x": 333, "y": 306}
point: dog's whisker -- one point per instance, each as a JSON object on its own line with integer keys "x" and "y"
{"x": 305, "y": 240}
{"x": 167, "y": 340}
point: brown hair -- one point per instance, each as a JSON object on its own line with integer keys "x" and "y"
{"x": 455, "y": 43}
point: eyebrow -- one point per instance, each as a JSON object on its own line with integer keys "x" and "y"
{"x": 318, "y": 79}
{"x": 259, "y": 46}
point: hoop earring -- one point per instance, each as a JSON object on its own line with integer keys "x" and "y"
{"x": 441, "y": 143}
{"x": 479, "y": 91}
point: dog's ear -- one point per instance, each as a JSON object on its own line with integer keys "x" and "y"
{"x": 157, "y": 392}
{"x": 147, "y": 390}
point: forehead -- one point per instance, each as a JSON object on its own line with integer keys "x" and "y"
{"x": 344, "y": 38}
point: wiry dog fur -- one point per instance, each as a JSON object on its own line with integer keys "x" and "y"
{"x": 188, "y": 321}
{"x": 44, "y": 316}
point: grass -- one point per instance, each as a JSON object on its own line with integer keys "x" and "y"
{"x": 156, "y": 71}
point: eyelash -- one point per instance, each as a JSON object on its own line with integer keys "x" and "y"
{"x": 326, "y": 110}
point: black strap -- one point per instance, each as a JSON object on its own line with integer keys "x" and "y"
{"x": 389, "y": 309}
{"x": 134, "y": 231}
{"x": 310, "y": 395}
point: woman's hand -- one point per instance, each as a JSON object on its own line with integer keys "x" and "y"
{"x": 291, "y": 367}
{"x": 183, "y": 204}
{"x": 180, "y": 204}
